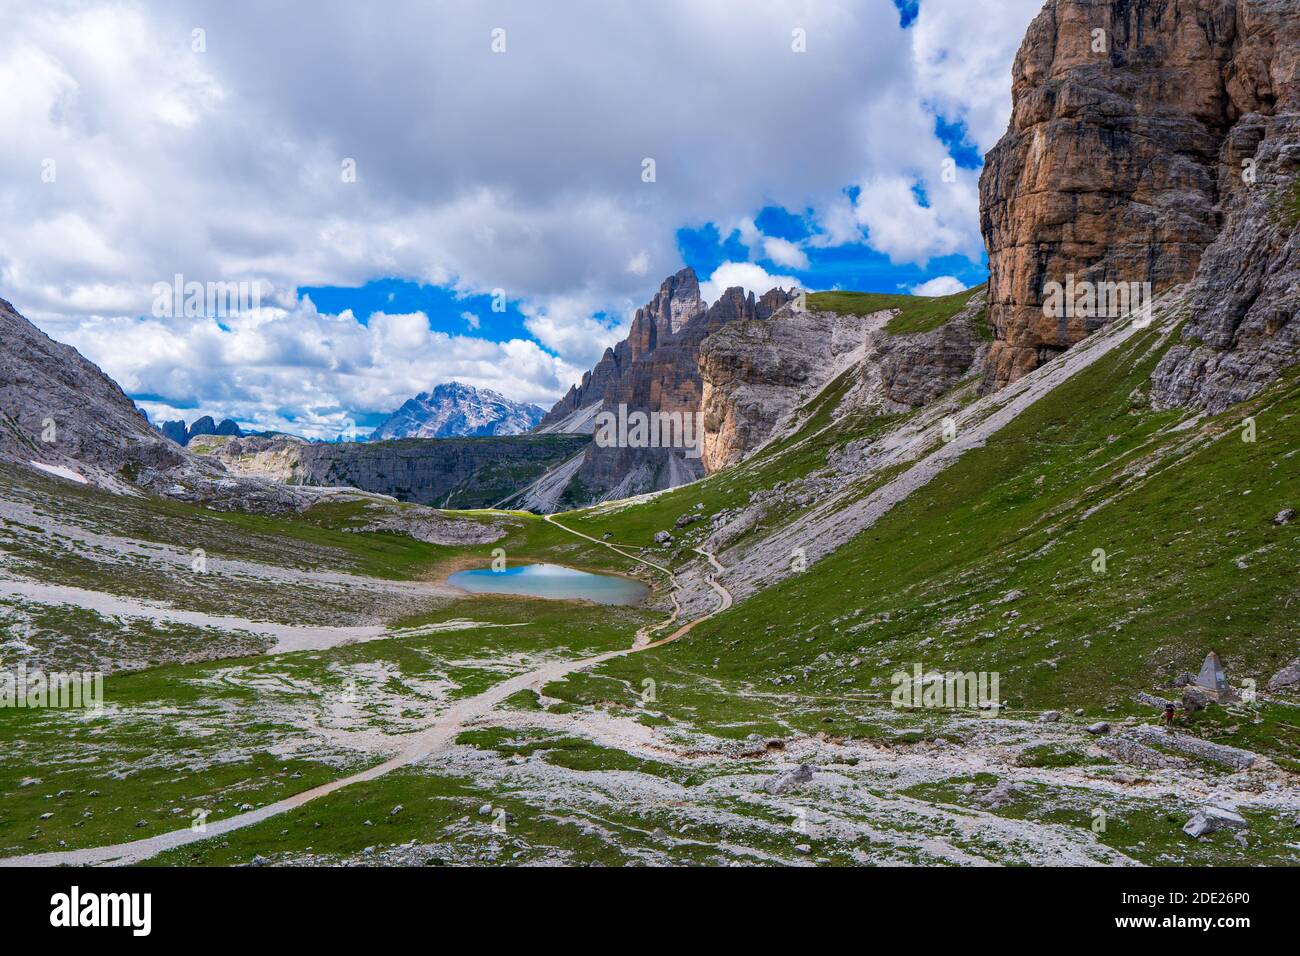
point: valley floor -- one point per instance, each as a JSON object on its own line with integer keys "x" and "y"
{"x": 311, "y": 692}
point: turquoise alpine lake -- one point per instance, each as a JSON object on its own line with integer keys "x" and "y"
{"x": 551, "y": 581}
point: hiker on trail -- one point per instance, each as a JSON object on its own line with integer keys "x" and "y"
{"x": 1167, "y": 718}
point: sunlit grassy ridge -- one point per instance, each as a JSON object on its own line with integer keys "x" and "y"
{"x": 916, "y": 313}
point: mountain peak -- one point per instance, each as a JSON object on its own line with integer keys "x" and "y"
{"x": 455, "y": 410}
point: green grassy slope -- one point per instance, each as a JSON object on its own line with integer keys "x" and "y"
{"x": 1194, "y": 562}
{"x": 917, "y": 313}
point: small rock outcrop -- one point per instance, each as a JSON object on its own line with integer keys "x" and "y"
{"x": 789, "y": 780}
{"x": 1234, "y": 757}
{"x": 1004, "y": 793}
{"x": 1287, "y": 680}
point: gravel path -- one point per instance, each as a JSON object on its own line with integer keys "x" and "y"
{"x": 419, "y": 746}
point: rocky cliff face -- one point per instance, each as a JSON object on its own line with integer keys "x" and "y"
{"x": 62, "y": 415}
{"x": 655, "y": 370}
{"x": 1243, "y": 323}
{"x": 447, "y": 473}
{"x": 914, "y": 370}
{"x": 58, "y": 409}
{"x": 757, "y": 374}
{"x": 1122, "y": 159}
{"x": 455, "y": 410}
{"x": 675, "y": 304}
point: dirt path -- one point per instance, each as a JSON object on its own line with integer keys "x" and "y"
{"x": 420, "y": 745}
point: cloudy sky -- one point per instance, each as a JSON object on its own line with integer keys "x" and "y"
{"x": 459, "y": 189}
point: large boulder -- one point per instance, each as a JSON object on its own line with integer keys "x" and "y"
{"x": 1211, "y": 819}
{"x": 1287, "y": 680}
{"x": 789, "y": 780}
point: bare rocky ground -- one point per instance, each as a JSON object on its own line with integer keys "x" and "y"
{"x": 82, "y": 583}
{"x": 649, "y": 795}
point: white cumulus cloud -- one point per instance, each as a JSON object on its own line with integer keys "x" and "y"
{"x": 130, "y": 156}
{"x": 748, "y": 275}
{"x": 939, "y": 285}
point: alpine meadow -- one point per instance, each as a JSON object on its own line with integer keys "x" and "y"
{"x": 700, "y": 433}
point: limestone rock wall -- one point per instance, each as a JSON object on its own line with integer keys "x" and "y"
{"x": 1115, "y": 162}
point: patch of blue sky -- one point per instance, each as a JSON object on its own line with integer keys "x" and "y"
{"x": 783, "y": 224}
{"x": 907, "y": 12}
{"x": 445, "y": 308}
{"x": 956, "y": 139}
{"x": 853, "y": 266}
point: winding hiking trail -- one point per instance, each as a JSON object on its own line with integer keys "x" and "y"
{"x": 419, "y": 745}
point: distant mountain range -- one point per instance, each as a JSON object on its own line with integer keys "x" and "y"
{"x": 456, "y": 410}
{"x": 452, "y": 410}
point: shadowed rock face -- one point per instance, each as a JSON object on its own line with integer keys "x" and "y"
{"x": 655, "y": 370}
{"x": 179, "y": 433}
{"x": 665, "y": 378}
{"x": 1243, "y": 324}
{"x": 57, "y": 408}
{"x": 446, "y": 472}
{"x": 1117, "y": 165}
{"x": 674, "y": 305}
